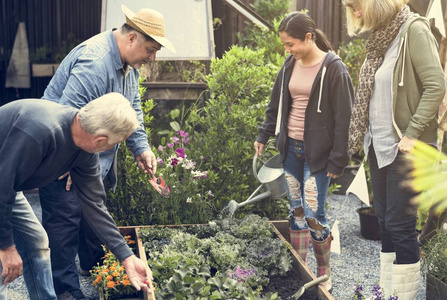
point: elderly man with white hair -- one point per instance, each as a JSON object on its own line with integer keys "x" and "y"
{"x": 40, "y": 141}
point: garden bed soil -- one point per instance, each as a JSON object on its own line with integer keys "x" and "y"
{"x": 285, "y": 286}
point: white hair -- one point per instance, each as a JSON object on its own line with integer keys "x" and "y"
{"x": 110, "y": 115}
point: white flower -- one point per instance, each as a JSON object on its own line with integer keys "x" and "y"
{"x": 189, "y": 200}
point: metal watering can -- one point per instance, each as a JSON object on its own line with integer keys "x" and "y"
{"x": 271, "y": 175}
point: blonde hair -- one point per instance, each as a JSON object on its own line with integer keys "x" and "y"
{"x": 375, "y": 14}
{"x": 110, "y": 115}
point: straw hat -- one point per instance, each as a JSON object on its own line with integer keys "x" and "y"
{"x": 149, "y": 22}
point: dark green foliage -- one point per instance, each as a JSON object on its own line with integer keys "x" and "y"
{"x": 221, "y": 266}
{"x": 353, "y": 54}
{"x": 225, "y": 129}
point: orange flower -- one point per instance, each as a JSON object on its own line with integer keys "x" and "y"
{"x": 126, "y": 282}
{"x": 116, "y": 274}
{"x": 125, "y": 276}
{"x": 121, "y": 269}
{"x": 97, "y": 280}
{"x": 112, "y": 268}
{"x": 109, "y": 277}
{"x": 110, "y": 284}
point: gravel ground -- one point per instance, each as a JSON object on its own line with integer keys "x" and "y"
{"x": 358, "y": 261}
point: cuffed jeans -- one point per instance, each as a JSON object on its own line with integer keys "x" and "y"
{"x": 306, "y": 190}
{"x": 31, "y": 242}
{"x": 394, "y": 208}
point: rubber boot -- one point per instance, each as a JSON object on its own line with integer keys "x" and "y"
{"x": 322, "y": 251}
{"x": 299, "y": 239}
{"x": 386, "y": 262}
{"x": 405, "y": 280}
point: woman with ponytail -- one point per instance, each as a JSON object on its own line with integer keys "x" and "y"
{"x": 309, "y": 114}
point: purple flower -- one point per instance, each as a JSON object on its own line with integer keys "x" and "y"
{"x": 182, "y": 133}
{"x": 170, "y": 145}
{"x": 180, "y": 152}
{"x": 160, "y": 148}
{"x": 174, "y": 161}
{"x": 241, "y": 274}
{"x": 175, "y": 139}
{"x": 186, "y": 141}
{"x": 160, "y": 161}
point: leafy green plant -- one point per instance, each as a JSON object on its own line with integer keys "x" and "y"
{"x": 429, "y": 176}
{"x": 271, "y": 9}
{"x": 45, "y": 55}
{"x": 225, "y": 127}
{"x": 353, "y": 54}
{"x": 435, "y": 256}
{"x": 220, "y": 266}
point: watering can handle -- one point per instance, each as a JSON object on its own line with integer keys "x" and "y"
{"x": 255, "y": 159}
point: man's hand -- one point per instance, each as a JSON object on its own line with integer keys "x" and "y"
{"x": 147, "y": 162}
{"x": 11, "y": 263}
{"x": 139, "y": 273}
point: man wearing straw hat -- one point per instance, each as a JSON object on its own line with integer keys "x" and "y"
{"x": 107, "y": 62}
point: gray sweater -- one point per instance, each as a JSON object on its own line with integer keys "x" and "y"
{"x": 36, "y": 147}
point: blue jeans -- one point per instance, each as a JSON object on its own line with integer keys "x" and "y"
{"x": 31, "y": 242}
{"x": 306, "y": 190}
{"x": 394, "y": 208}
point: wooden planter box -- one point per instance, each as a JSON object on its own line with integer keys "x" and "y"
{"x": 281, "y": 229}
{"x": 44, "y": 70}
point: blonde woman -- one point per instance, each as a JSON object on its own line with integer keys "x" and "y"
{"x": 401, "y": 85}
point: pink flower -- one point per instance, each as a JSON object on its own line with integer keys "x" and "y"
{"x": 160, "y": 148}
{"x": 175, "y": 139}
{"x": 186, "y": 141}
{"x": 182, "y": 133}
{"x": 160, "y": 161}
{"x": 180, "y": 152}
{"x": 170, "y": 145}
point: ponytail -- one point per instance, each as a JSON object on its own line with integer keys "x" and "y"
{"x": 322, "y": 41}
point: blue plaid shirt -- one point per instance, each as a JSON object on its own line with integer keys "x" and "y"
{"x": 90, "y": 70}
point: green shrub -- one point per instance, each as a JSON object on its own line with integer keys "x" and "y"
{"x": 225, "y": 129}
{"x": 271, "y": 9}
{"x": 353, "y": 54}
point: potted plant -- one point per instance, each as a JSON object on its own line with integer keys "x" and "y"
{"x": 429, "y": 177}
{"x": 45, "y": 61}
{"x": 369, "y": 224}
{"x": 434, "y": 266}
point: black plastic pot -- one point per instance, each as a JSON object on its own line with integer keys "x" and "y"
{"x": 435, "y": 288}
{"x": 369, "y": 225}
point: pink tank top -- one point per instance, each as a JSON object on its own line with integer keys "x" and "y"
{"x": 300, "y": 85}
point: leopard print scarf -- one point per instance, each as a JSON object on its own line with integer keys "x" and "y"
{"x": 376, "y": 46}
